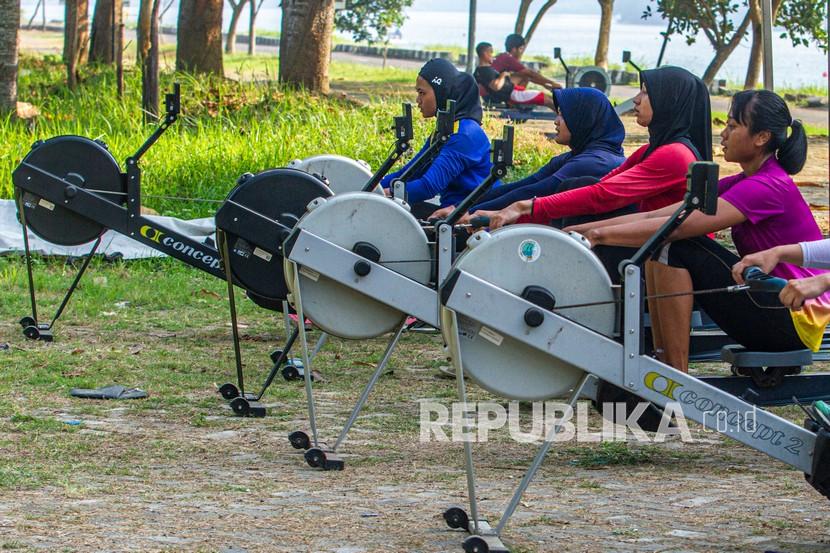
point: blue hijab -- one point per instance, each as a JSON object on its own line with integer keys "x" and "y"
{"x": 591, "y": 119}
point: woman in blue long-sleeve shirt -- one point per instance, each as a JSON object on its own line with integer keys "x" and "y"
{"x": 464, "y": 161}
{"x": 589, "y": 126}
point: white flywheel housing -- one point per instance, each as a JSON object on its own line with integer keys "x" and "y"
{"x": 343, "y": 173}
{"x": 345, "y": 220}
{"x": 514, "y": 258}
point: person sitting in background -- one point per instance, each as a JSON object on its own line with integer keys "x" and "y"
{"x": 588, "y": 125}
{"x": 497, "y": 87}
{"x": 520, "y": 74}
{"x": 764, "y": 209}
{"x": 464, "y": 161}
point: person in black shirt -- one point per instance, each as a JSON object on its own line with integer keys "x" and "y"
{"x": 497, "y": 87}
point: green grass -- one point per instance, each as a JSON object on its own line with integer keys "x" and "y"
{"x": 227, "y": 127}
{"x": 620, "y": 453}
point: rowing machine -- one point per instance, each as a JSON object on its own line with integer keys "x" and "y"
{"x": 356, "y": 283}
{"x": 252, "y": 225}
{"x": 486, "y": 319}
{"x": 69, "y": 190}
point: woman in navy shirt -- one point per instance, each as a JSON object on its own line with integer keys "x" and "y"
{"x": 464, "y": 161}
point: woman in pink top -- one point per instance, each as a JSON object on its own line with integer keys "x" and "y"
{"x": 764, "y": 209}
{"x": 674, "y": 105}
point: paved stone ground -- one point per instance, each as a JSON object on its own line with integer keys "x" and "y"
{"x": 244, "y": 489}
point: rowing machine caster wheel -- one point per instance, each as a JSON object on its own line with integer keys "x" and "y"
{"x": 299, "y": 440}
{"x": 31, "y": 332}
{"x": 27, "y": 321}
{"x": 229, "y": 391}
{"x": 476, "y": 544}
{"x": 290, "y": 372}
{"x": 456, "y": 517}
{"x": 240, "y": 407}
{"x": 315, "y": 457}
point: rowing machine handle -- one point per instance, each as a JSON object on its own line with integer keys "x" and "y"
{"x": 481, "y": 221}
{"x": 759, "y": 281}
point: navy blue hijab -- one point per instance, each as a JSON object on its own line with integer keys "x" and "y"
{"x": 449, "y": 83}
{"x": 591, "y": 119}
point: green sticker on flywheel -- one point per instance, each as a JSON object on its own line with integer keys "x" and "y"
{"x": 529, "y": 251}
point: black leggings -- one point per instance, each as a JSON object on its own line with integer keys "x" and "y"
{"x": 756, "y": 320}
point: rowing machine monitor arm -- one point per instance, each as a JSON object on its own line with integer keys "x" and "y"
{"x": 557, "y": 54}
{"x": 172, "y": 102}
{"x": 502, "y": 159}
{"x": 627, "y": 59}
{"x": 701, "y": 194}
{"x": 403, "y": 135}
{"x": 444, "y": 129}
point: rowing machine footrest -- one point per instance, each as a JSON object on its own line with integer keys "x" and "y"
{"x": 820, "y": 477}
{"x": 766, "y": 368}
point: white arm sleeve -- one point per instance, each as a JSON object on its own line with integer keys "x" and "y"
{"x": 816, "y": 253}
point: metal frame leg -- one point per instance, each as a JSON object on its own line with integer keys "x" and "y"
{"x": 223, "y": 245}
{"x": 540, "y": 457}
{"x": 321, "y": 341}
{"x": 286, "y": 318}
{"x": 30, "y": 270}
{"x": 468, "y": 446}
{"x": 20, "y": 210}
{"x": 76, "y": 281}
{"x": 298, "y": 306}
{"x": 369, "y": 386}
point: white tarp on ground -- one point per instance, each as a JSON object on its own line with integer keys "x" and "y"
{"x": 11, "y": 236}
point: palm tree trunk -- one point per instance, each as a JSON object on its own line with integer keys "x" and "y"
{"x": 538, "y": 19}
{"x": 199, "y": 37}
{"x": 150, "y": 67}
{"x": 236, "y": 12}
{"x": 9, "y": 24}
{"x": 723, "y": 53}
{"x": 75, "y": 38}
{"x": 145, "y": 11}
{"x": 105, "y": 25}
{"x": 601, "y": 55}
{"x": 305, "y": 43}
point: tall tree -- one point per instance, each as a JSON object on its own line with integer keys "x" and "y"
{"x": 236, "y": 11}
{"x": 601, "y": 55}
{"x": 199, "y": 37}
{"x": 521, "y": 18}
{"x": 715, "y": 18}
{"x": 255, "y": 6}
{"x": 9, "y": 24}
{"x": 150, "y": 66}
{"x": 371, "y": 20}
{"x": 305, "y": 43}
{"x": 756, "y": 53}
{"x": 145, "y": 10}
{"x": 802, "y": 21}
{"x": 106, "y": 21}
{"x": 75, "y": 38}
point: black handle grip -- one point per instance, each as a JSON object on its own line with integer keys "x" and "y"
{"x": 759, "y": 281}
{"x": 480, "y": 221}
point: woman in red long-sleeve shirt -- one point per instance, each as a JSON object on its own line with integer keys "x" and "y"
{"x": 674, "y": 105}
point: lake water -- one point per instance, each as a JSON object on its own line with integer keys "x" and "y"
{"x": 575, "y": 34}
